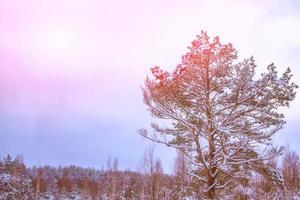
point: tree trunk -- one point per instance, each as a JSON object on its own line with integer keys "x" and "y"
{"x": 211, "y": 153}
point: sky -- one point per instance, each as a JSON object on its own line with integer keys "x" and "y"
{"x": 71, "y": 70}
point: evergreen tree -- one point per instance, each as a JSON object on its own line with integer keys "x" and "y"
{"x": 219, "y": 115}
{"x": 15, "y": 182}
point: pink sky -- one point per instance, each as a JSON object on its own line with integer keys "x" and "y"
{"x": 73, "y": 69}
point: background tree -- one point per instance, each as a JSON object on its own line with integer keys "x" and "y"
{"x": 219, "y": 115}
{"x": 181, "y": 177}
{"x": 113, "y": 180}
{"x": 153, "y": 170}
{"x": 15, "y": 182}
{"x": 291, "y": 170}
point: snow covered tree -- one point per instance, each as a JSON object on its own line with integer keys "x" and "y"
{"x": 219, "y": 114}
{"x": 14, "y": 180}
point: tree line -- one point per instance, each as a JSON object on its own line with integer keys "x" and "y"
{"x": 149, "y": 182}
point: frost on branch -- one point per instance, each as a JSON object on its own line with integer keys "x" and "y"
{"x": 220, "y": 117}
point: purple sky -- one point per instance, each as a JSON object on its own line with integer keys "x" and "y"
{"x": 71, "y": 70}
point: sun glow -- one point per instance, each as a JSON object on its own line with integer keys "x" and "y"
{"x": 56, "y": 48}
{"x": 58, "y": 40}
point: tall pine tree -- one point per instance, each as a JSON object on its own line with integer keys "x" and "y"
{"x": 219, "y": 115}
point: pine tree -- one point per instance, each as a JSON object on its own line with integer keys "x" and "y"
{"x": 219, "y": 114}
{"x": 15, "y": 182}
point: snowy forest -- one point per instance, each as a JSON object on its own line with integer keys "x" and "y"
{"x": 218, "y": 114}
{"x": 148, "y": 183}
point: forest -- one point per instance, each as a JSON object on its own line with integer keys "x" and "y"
{"x": 17, "y": 181}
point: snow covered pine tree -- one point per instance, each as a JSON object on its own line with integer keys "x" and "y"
{"x": 219, "y": 115}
